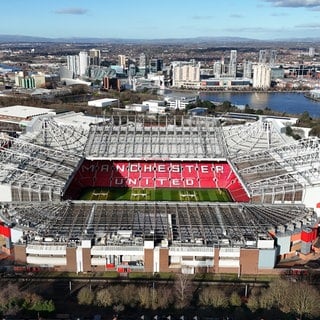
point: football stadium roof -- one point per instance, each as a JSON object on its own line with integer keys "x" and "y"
{"x": 180, "y": 223}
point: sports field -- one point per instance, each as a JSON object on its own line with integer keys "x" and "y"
{"x": 160, "y": 194}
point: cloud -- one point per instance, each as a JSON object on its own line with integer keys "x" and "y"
{"x": 295, "y": 3}
{"x": 278, "y": 14}
{"x": 309, "y": 26}
{"x": 236, "y": 15}
{"x": 202, "y": 17}
{"x": 75, "y": 11}
{"x": 247, "y": 30}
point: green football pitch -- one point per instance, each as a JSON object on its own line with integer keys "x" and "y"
{"x": 160, "y": 194}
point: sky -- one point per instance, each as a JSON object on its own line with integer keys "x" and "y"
{"x": 162, "y": 19}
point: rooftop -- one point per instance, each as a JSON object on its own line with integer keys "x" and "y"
{"x": 23, "y": 112}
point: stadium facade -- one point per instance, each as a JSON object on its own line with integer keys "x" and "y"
{"x": 273, "y": 183}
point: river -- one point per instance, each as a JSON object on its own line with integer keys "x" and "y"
{"x": 285, "y": 102}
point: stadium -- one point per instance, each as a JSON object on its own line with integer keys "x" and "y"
{"x": 159, "y": 194}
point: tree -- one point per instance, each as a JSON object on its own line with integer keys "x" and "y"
{"x": 213, "y": 297}
{"x": 235, "y": 299}
{"x": 145, "y": 297}
{"x": 162, "y": 298}
{"x": 304, "y": 300}
{"x": 116, "y": 292}
{"x": 305, "y": 119}
{"x": 85, "y": 296}
{"x": 253, "y": 302}
{"x": 11, "y": 299}
{"x": 315, "y": 131}
{"x": 276, "y": 295}
{"x": 104, "y": 298}
{"x": 182, "y": 290}
{"x": 129, "y": 296}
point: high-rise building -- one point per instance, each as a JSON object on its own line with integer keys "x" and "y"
{"x": 122, "y": 61}
{"x": 83, "y": 62}
{"x": 263, "y": 56}
{"x": 73, "y": 64}
{"x": 186, "y": 74}
{"x": 94, "y": 57}
{"x": 247, "y": 69}
{"x": 143, "y": 61}
{"x": 233, "y": 64}
{"x": 143, "y": 64}
{"x": 217, "y": 69}
{"x": 312, "y": 52}
{"x": 273, "y": 58}
{"x": 261, "y": 76}
{"x": 156, "y": 65}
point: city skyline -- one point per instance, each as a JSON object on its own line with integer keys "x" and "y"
{"x": 255, "y": 19}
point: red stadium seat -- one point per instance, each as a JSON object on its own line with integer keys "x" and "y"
{"x": 157, "y": 174}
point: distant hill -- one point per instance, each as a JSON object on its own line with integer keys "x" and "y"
{"x": 5, "y": 38}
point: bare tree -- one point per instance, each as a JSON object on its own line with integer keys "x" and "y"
{"x": 276, "y": 296}
{"x": 253, "y": 302}
{"x": 145, "y": 297}
{"x": 10, "y": 297}
{"x": 129, "y": 295}
{"x": 85, "y": 296}
{"x": 213, "y": 297}
{"x": 162, "y": 298}
{"x": 104, "y": 298}
{"x": 304, "y": 300}
{"x": 235, "y": 299}
{"x": 182, "y": 290}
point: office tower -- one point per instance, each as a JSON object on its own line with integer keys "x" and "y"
{"x": 312, "y": 52}
{"x": 143, "y": 64}
{"x": 247, "y": 69}
{"x": 122, "y": 61}
{"x": 217, "y": 69}
{"x": 73, "y": 64}
{"x": 143, "y": 61}
{"x": 261, "y": 76}
{"x": 273, "y": 57}
{"x": 83, "y": 62}
{"x": 156, "y": 65}
{"x": 132, "y": 70}
{"x": 263, "y": 56}
{"x": 233, "y": 63}
{"x": 94, "y": 57}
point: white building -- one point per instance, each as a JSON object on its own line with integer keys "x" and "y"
{"x": 312, "y": 52}
{"x": 83, "y": 62}
{"x": 186, "y": 74}
{"x": 180, "y": 103}
{"x": 122, "y": 61}
{"x": 217, "y": 69}
{"x": 73, "y": 64}
{"x": 247, "y": 69}
{"x": 102, "y": 103}
{"x": 137, "y": 107}
{"x": 233, "y": 64}
{"x": 261, "y": 76}
{"x": 155, "y": 106}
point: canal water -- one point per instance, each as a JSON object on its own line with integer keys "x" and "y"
{"x": 284, "y": 102}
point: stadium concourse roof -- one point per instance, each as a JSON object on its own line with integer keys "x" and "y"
{"x": 228, "y": 224}
{"x": 285, "y": 168}
{"x": 156, "y": 137}
{"x": 164, "y": 137}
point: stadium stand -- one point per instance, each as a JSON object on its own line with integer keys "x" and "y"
{"x": 156, "y": 174}
{"x": 266, "y": 174}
